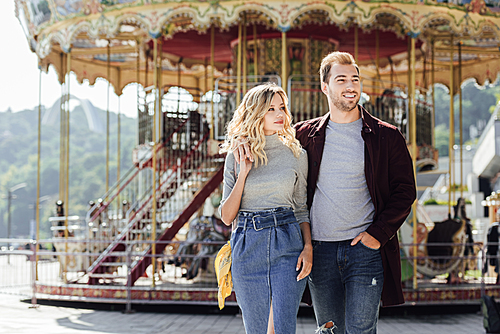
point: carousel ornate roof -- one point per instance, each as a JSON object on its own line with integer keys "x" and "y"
{"x": 85, "y": 27}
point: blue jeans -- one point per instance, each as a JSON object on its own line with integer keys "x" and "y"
{"x": 346, "y": 286}
{"x": 265, "y": 248}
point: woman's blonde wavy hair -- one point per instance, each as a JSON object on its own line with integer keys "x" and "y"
{"x": 248, "y": 122}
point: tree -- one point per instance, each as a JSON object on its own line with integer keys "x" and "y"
{"x": 18, "y": 149}
{"x": 477, "y": 103}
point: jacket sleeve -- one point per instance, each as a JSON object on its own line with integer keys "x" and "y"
{"x": 402, "y": 191}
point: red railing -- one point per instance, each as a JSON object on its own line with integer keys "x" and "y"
{"x": 186, "y": 163}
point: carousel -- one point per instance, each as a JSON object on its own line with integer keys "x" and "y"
{"x": 152, "y": 236}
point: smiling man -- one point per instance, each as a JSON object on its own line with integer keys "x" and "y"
{"x": 360, "y": 190}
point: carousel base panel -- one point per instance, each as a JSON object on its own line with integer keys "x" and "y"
{"x": 161, "y": 294}
{"x": 438, "y": 293}
{"x": 430, "y": 293}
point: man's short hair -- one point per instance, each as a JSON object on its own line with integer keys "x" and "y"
{"x": 335, "y": 57}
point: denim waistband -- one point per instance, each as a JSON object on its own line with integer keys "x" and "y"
{"x": 259, "y": 220}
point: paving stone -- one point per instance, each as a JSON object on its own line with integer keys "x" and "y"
{"x": 17, "y": 317}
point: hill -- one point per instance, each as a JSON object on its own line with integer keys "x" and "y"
{"x": 18, "y": 164}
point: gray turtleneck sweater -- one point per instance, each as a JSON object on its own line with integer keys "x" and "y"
{"x": 280, "y": 183}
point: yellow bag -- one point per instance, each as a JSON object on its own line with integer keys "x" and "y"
{"x": 223, "y": 271}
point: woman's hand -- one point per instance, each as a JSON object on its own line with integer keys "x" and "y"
{"x": 229, "y": 209}
{"x": 305, "y": 261}
{"x": 242, "y": 150}
{"x": 245, "y": 167}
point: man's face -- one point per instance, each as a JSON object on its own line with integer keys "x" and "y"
{"x": 343, "y": 88}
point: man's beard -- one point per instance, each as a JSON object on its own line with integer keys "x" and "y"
{"x": 344, "y": 106}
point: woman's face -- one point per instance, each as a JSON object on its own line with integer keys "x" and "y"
{"x": 274, "y": 119}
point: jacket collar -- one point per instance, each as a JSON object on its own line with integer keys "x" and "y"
{"x": 368, "y": 123}
{"x": 321, "y": 126}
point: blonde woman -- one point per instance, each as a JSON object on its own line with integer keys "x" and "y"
{"x": 271, "y": 241}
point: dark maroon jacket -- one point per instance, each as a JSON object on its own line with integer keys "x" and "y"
{"x": 390, "y": 181}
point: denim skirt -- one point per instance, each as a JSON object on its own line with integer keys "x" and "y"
{"x": 265, "y": 247}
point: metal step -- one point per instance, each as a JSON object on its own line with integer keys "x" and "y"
{"x": 113, "y": 264}
{"x": 106, "y": 276}
{"x": 139, "y": 231}
{"x": 113, "y": 254}
{"x": 201, "y": 170}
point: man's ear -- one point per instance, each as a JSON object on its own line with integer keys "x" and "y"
{"x": 324, "y": 88}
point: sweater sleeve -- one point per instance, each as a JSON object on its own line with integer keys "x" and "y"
{"x": 229, "y": 177}
{"x": 300, "y": 190}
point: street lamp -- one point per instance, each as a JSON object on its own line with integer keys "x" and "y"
{"x": 9, "y": 198}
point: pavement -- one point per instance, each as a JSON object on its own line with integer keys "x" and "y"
{"x": 17, "y": 317}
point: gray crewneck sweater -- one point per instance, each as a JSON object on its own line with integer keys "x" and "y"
{"x": 280, "y": 183}
{"x": 342, "y": 206}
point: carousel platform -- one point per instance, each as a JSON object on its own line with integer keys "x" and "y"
{"x": 200, "y": 290}
{"x": 440, "y": 291}
{"x": 181, "y": 291}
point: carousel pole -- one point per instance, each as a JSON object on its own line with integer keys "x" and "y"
{"x": 356, "y": 42}
{"x": 238, "y": 66}
{"x": 433, "y": 81}
{"x": 146, "y": 72}
{"x": 377, "y": 60}
{"x": 408, "y": 75}
{"x": 62, "y": 128}
{"x": 205, "y": 81}
{"x": 159, "y": 138}
{"x": 66, "y": 193}
{"x": 284, "y": 70}
{"x": 460, "y": 117}
{"x": 255, "y": 53}
{"x": 452, "y": 132}
{"x": 392, "y": 71}
{"x": 424, "y": 69}
{"x": 108, "y": 77}
{"x": 205, "y": 64}
{"x": 39, "y": 150}
{"x": 118, "y": 153}
{"x": 138, "y": 75}
{"x": 244, "y": 54}
{"x": 212, "y": 74}
{"x": 143, "y": 182}
{"x": 413, "y": 141}
{"x": 138, "y": 78}
{"x": 153, "y": 211}
{"x": 128, "y": 307}
{"x": 178, "y": 85}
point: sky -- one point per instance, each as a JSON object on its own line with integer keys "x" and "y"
{"x": 19, "y": 75}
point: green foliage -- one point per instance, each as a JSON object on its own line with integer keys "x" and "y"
{"x": 456, "y": 187}
{"x": 431, "y": 201}
{"x": 441, "y": 138}
{"x": 477, "y": 104}
{"x": 18, "y": 149}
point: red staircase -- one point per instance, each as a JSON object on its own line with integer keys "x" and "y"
{"x": 183, "y": 162}
{"x": 139, "y": 267}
